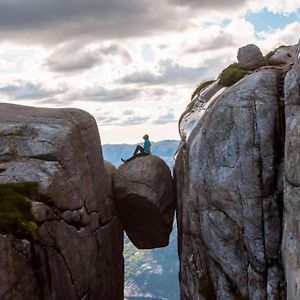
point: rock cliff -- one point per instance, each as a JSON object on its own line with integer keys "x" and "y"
{"x": 61, "y": 237}
{"x": 291, "y": 235}
{"x": 229, "y": 176}
{"x": 145, "y": 200}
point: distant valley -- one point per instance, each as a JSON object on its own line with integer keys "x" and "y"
{"x": 149, "y": 274}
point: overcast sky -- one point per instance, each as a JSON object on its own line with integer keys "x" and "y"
{"x": 133, "y": 64}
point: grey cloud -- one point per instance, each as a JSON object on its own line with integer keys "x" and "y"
{"x": 135, "y": 120}
{"x": 110, "y": 95}
{"x": 108, "y": 119}
{"x": 224, "y": 40}
{"x": 105, "y": 120}
{"x": 168, "y": 73}
{"x": 70, "y": 57}
{"x": 211, "y": 4}
{"x": 21, "y": 90}
{"x": 53, "y": 21}
{"x": 166, "y": 118}
{"x": 128, "y": 112}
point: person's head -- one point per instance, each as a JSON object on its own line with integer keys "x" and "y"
{"x": 146, "y": 137}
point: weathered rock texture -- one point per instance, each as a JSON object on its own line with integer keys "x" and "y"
{"x": 78, "y": 254}
{"x": 283, "y": 55}
{"x": 228, "y": 173}
{"x": 291, "y": 237}
{"x": 250, "y": 57}
{"x": 145, "y": 200}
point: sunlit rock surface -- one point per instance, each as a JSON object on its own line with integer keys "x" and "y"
{"x": 78, "y": 251}
{"x": 145, "y": 200}
{"x": 229, "y": 199}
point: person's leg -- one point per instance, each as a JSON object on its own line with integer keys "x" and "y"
{"x": 138, "y": 149}
{"x": 136, "y": 155}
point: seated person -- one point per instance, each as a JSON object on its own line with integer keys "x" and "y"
{"x": 139, "y": 150}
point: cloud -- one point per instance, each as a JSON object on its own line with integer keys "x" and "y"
{"x": 106, "y": 118}
{"x": 165, "y": 118}
{"x": 169, "y": 72}
{"x": 21, "y": 90}
{"x": 71, "y": 57}
{"x": 56, "y": 21}
{"x": 53, "y": 21}
{"x": 109, "y": 95}
{"x": 221, "y": 41}
{"x": 211, "y": 4}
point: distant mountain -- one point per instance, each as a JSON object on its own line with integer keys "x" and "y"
{"x": 164, "y": 149}
{"x": 149, "y": 274}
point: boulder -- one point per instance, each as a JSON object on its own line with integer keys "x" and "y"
{"x": 291, "y": 234}
{"x": 250, "y": 57}
{"x": 228, "y": 199}
{"x": 73, "y": 242}
{"x": 145, "y": 200}
{"x": 284, "y": 55}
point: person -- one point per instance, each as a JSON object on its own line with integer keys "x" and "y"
{"x": 139, "y": 150}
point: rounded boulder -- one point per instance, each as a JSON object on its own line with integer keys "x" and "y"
{"x": 250, "y": 57}
{"x": 144, "y": 192}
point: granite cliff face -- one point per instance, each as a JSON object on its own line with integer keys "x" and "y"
{"x": 71, "y": 245}
{"x": 229, "y": 174}
{"x": 291, "y": 234}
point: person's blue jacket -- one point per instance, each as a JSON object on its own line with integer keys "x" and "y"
{"x": 147, "y": 147}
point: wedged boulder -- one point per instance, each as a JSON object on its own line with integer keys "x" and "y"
{"x": 291, "y": 234}
{"x": 144, "y": 191}
{"x": 70, "y": 245}
{"x": 250, "y": 57}
{"x": 228, "y": 198}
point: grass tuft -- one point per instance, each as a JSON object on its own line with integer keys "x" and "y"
{"x": 201, "y": 87}
{"x": 15, "y": 209}
{"x": 232, "y": 74}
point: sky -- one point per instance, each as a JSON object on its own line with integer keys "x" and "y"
{"x": 132, "y": 64}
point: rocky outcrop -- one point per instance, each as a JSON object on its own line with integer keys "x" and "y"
{"x": 283, "y": 55}
{"x": 229, "y": 181}
{"x": 250, "y": 57}
{"x": 291, "y": 236}
{"x": 145, "y": 200}
{"x": 76, "y": 251}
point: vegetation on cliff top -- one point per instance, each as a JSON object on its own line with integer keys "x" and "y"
{"x": 201, "y": 87}
{"x": 232, "y": 74}
{"x": 15, "y": 209}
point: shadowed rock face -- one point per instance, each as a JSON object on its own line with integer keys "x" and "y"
{"x": 230, "y": 195}
{"x": 145, "y": 200}
{"x": 78, "y": 251}
{"x": 291, "y": 236}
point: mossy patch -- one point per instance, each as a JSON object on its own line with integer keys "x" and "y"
{"x": 201, "y": 87}
{"x": 15, "y": 209}
{"x": 271, "y": 53}
{"x": 232, "y": 74}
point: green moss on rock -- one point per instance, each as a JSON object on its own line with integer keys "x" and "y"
{"x": 201, "y": 87}
{"x": 15, "y": 209}
{"x": 232, "y": 74}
